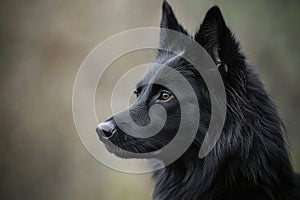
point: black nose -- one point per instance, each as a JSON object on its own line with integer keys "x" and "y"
{"x": 105, "y": 130}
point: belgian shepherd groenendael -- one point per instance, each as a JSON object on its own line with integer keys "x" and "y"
{"x": 249, "y": 161}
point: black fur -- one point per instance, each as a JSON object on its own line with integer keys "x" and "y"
{"x": 249, "y": 161}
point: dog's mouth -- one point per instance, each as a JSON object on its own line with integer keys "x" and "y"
{"x": 121, "y": 148}
{"x": 116, "y": 150}
{"x": 108, "y": 137}
{"x": 112, "y": 148}
{"x": 122, "y": 153}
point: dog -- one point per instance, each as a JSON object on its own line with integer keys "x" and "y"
{"x": 250, "y": 159}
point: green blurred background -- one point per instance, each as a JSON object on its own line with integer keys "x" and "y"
{"x": 42, "y": 44}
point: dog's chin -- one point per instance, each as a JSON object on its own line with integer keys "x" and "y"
{"x": 127, "y": 154}
{"x": 119, "y": 152}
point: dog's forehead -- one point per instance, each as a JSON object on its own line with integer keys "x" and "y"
{"x": 162, "y": 68}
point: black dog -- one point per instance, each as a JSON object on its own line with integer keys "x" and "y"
{"x": 249, "y": 161}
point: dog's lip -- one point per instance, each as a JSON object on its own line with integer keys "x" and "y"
{"x": 125, "y": 154}
{"x": 116, "y": 150}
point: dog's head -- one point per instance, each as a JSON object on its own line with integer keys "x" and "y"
{"x": 145, "y": 126}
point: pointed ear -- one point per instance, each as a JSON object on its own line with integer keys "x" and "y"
{"x": 216, "y": 38}
{"x": 169, "y": 21}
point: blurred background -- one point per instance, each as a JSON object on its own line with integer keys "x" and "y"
{"x": 42, "y": 44}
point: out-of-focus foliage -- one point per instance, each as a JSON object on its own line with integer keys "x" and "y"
{"x": 42, "y": 44}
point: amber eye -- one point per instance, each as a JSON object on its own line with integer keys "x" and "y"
{"x": 165, "y": 96}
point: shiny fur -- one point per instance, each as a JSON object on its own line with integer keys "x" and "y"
{"x": 250, "y": 160}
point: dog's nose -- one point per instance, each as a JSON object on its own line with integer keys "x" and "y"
{"x": 105, "y": 130}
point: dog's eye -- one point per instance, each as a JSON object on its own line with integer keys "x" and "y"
{"x": 164, "y": 96}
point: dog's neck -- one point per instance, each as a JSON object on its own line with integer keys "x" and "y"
{"x": 206, "y": 179}
{"x": 249, "y": 158}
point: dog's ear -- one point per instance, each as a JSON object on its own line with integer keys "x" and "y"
{"x": 169, "y": 21}
{"x": 217, "y": 39}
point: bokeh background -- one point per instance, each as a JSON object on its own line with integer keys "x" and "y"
{"x": 42, "y": 44}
